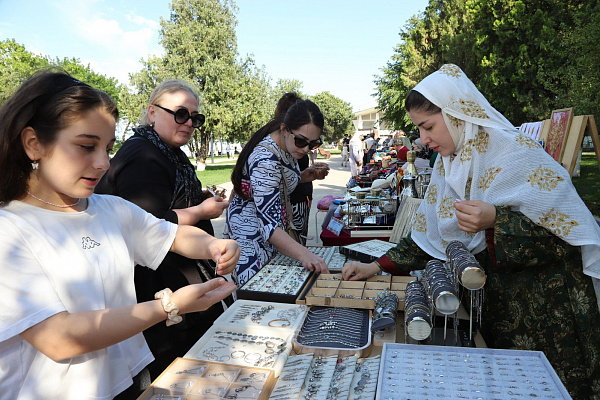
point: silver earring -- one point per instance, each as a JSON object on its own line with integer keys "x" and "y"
{"x": 35, "y": 164}
{"x": 152, "y": 125}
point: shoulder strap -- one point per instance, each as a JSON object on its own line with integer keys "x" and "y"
{"x": 288, "y": 205}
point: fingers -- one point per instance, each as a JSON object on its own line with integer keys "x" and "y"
{"x": 225, "y": 252}
{"x": 349, "y": 270}
{"x": 223, "y": 289}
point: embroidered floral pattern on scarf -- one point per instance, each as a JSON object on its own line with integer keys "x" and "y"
{"x": 495, "y": 164}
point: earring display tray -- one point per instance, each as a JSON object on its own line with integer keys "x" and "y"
{"x": 327, "y": 378}
{"x": 337, "y": 331}
{"x": 199, "y": 380}
{"x": 426, "y": 372}
{"x": 262, "y": 314}
{"x": 331, "y": 291}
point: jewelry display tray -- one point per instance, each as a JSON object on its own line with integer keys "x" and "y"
{"x": 272, "y": 319}
{"x": 363, "y": 351}
{"x": 283, "y": 279}
{"x": 331, "y": 291}
{"x": 249, "y": 338}
{"x": 199, "y": 380}
{"x": 426, "y": 372}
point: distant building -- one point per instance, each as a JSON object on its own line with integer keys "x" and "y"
{"x": 369, "y": 119}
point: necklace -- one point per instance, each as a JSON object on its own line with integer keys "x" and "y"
{"x": 52, "y": 204}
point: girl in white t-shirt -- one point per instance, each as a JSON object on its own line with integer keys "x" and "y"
{"x": 70, "y": 327}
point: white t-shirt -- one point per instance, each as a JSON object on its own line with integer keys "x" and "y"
{"x": 53, "y": 261}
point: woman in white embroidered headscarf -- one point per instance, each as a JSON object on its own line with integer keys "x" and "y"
{"x": 542, "y": 253}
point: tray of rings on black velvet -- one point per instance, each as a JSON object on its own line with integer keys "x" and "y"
{"x": 282, "y": 279}
{"x": 196, "y": 380}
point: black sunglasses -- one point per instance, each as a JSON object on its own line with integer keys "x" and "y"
{"x": 302, "y": 143}
{"x": 182, "y": 115}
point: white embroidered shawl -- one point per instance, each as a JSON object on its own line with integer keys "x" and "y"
{"x": 496, "y": 164}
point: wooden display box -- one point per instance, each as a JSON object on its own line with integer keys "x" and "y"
{"x": 330, "y": 290}
{"x": 198, "y": 380}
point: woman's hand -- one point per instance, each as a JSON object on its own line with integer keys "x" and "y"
{"x": 225, "y": 252}
{"x": 201, "y": 296}
{"x": 311, "y": 262}
{"x": 355, "y": 271}
{"x": 308, "y": 175}
{"x": 475, "y": 215}
{"x": 212, "y": 207}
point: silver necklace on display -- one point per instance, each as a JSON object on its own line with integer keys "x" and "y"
{"x": 52, "y": 204}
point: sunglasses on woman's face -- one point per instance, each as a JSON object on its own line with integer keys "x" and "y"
{"x": 301, "y": 142}
{"x": 182, "y": 115}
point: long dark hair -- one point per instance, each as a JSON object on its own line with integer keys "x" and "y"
{"x": 416, "y": 101}
{"x": 48, "y": 102}
{"x": 299, "y": 112}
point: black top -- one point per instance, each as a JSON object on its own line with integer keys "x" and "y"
{"x": 140, "y": 173}
{"x": 305, "y": 189}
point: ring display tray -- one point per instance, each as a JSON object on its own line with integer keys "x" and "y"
{"x": 324, "y": 252}
{"x": 196, "y": 380}
{"x": 330, "y": 290}
{"x": 282, "y": 279}
{"x": 367, "y": 251}
{"x": 426, "y": 372}
{"x": 278, "y": 283}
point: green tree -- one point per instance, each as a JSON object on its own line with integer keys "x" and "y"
{"x": 526, "y": 56}
{"x": 201, "y": 47}
{"x": 581, "y": 76}
{"x": 287, "y": 86}
{"x": 441, "y": 34}
{"x": 16, "y": 65}
{"x": 85, "y": 74}
{"x": 338, "y": 115}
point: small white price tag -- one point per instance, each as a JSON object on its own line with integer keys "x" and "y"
{"x": 335, "y": 226}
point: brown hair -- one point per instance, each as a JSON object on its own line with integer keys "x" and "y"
{"x": 48, "y": 102}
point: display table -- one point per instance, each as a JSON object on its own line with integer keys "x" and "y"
{"x": 307, "y": 350}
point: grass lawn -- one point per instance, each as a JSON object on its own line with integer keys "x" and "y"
{"x": 215, "y": 174}
{"x": 588, "y": 183}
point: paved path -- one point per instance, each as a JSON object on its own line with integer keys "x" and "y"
{"x": 334, "y": 184}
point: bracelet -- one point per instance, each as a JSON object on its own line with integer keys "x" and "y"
{"x": 284, "y": 322}
{"x": 170, "y": 308}
{"x": 379, "y": 265}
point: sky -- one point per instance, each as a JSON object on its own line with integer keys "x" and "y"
{"x": 329, "y": 45}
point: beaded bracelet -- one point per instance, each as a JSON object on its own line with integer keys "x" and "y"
{"x": 170, "y": 308}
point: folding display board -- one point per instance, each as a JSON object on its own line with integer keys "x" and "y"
{"x": 574, "y": 140}
{"x": 580, "y": 125}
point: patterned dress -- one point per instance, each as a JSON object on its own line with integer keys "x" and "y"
{"x": 536, "y": 298}
{"x": 252, "y": 222}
